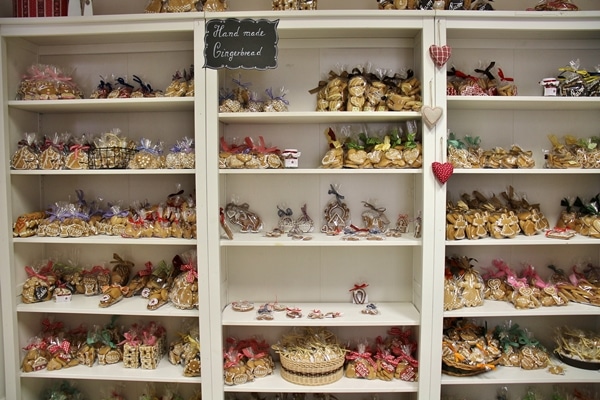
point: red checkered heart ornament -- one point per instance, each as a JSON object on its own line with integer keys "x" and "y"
{"x": 440, "y": 54}
{"x": 442, "y": 171}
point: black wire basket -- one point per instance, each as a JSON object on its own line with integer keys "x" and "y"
{"x": 110, "y": 157}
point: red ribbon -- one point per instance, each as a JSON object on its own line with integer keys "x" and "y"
{"x": 138, "y": 221}
{"x": 462, "y": 75}
{"x": 31, "y": 272}
{"x": 77, "y": 148}
{"x": 354, "y": 355}
{"x": 399, "y": 332}
{"x": 411, "y": 361}
{"x": 357, "y": 229}
{"x": 63, "y": 346}
{"x": 80, "y": 330}
{"x": 357, "y": 287}
{"x": 252, "y": 355}
{"x": 221, "y": 216}
{"x": 147, "y": 271}
{"x": 388, "y": 358}
{"x": 49, "y": 326}
{"x": 49, "y": 143}
{"x": 232, "y": 148}
{"x": 502, "y": 77}
{"x": 261, "y": 148}
{"x": 42, "y": 345}
{"x": 192, "y": 274}
{"x": 97, "y": 270}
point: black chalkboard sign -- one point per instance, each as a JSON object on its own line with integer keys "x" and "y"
{"x": 233, "y": 43}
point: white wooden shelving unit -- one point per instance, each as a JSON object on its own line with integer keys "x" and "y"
{"x": 527, "y": 46}
{"x": 319, "y": 273}
{"x": 153, "y": 48}
{"x": 405, "y": 275}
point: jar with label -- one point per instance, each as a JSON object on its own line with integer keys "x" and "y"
{"x": 290, "y": 158}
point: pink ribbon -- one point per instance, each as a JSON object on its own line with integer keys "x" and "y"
{"x": 191, "y": 274}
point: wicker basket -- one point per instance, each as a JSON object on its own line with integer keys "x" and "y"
{"x": 312, "y": 374}
{"x": 110, "y": 157}
{"x": 453, "y": 368}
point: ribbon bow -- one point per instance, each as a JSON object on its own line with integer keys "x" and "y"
{"x": 131, "y": 339}
{"x": 32, "y": 273}
{"x": 487, "y": 70}
{"x": 334, "y": 192}
{"x": 63, "y": 346}
{"x": 191, "y": 274}
{"x": 365, "y": 355}
{"x": 49, "y": 326}
{"x": 358, "y": 287}
{"x": 287, "y": 212}
{"x": 385, "y": 145}
{"x": 502, "y": 77}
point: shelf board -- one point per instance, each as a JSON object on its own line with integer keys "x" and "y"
{"x": 107, "y": 240}
{"x": 523, "y": 103}
{"x": 81, "y": 304}
{"x": 532, "y": 25}
{"x": 514, "y": 375}
{"x": 390, "y": 314}
{"x": 525, "y": 240}
{"x": 314, "y": 117}
{"x": 165, "y": 372}
{"x": 491, "y": 308}
{"x": 318, "y": 239}
{"x": 276, "y": 384}
{"x": 103, "y": 29}
{"x": 92, "y": 172}
{"x": 318, "y": 171}
{"x": 526, "y": 171}
{"x": 154, "y": 104}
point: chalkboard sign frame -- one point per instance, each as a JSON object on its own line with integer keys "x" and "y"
{"x": 241, "y": 44}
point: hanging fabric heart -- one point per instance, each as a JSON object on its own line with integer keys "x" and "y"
{"x": 440, "y": 54}
{"x": 431, "y": 115}
{"x": 442, "y": 171}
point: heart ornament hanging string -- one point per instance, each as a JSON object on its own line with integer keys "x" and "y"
{"x": 442, "y": 171}
{"x": 439, "y": 55}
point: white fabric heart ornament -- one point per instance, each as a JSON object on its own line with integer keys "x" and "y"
{"x": 431, "y": 115}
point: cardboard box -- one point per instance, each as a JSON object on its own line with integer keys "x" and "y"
{"x": 40, "y": 8}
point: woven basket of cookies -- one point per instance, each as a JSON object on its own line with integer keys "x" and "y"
{"x": 311, "y": 358}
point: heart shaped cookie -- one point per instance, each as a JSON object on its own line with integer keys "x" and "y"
{"x": 431, "y": 115}
{"x": 440, "y": 54}
{"x": 442, "y": 171}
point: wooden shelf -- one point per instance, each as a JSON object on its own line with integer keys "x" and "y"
{"x": 149, "y": 104}
{"x": 390, "y": 314}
